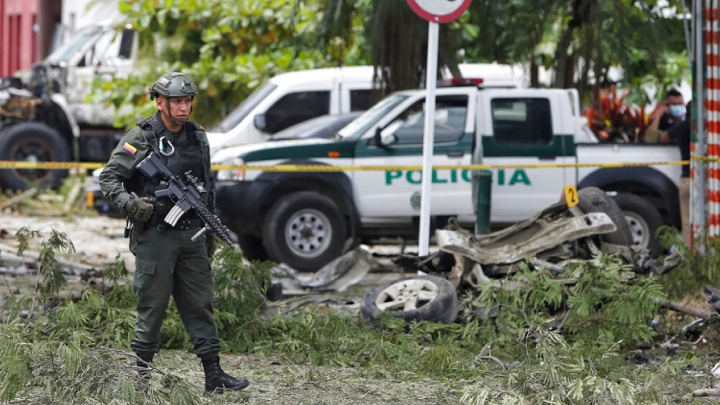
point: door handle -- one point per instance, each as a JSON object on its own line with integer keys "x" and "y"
{"x": 547, "y": 157}
{"x": 455, "y": 154}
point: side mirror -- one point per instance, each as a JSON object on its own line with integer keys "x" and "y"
{"x": 389, "y": 139}
{"x": 384, "y": 140}
{"x": 378, "y": 137}
{"x": 259, "y": 122}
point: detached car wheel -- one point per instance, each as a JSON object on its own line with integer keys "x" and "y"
{"x": 33, "y": 142}
{"x": 415, "y": 298}
{"x": 592, "y": 199}
{"x": 304, "y": 230}
{"x": 643, "y": 220}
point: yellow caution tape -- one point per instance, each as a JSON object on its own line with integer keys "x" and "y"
{"x": 8, "y": 164}
{"x": 329, "y": 168}
{"x": 17, "y": 164}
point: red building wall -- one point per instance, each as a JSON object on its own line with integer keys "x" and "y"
{"x": 19, "y": 43}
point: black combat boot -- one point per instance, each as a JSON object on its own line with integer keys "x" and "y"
{"x": 217, "y": 381}
{"x": 143, "y": 368}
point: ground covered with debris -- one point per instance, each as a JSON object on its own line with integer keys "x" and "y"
{"x": 605, "y": 340}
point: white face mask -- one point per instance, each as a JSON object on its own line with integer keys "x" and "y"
{"x": 677, "y": 110}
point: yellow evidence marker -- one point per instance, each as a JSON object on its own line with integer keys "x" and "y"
{"x": 571, "y": 196}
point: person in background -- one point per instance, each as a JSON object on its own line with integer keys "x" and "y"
{"x": 669, "y": 112}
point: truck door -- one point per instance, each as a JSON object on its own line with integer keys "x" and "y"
{"x": 523, "y": 127}
{"x": 396, "y": 193}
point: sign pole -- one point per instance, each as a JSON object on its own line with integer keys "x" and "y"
{"x": 435, "y": 12}
{"x": 428, "y": 138}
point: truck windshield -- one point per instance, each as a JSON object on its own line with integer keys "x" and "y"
{"x": 242, "y": 111}
{"x": 75, "y": 44}
{"x": 359, "y": 126}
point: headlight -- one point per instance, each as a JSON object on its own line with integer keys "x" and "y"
{"x": 231, "y": 174}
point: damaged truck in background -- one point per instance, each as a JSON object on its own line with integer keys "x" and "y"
{"x": 44, "y": 115}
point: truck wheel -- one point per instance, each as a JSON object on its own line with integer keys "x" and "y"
{"x": 592, "y": 199}
{"x": 643, "y": 219}
{"x": 34, "y": 142}
{"x": 252, "y": 248}
{"x": 414, "y": 298}
{"x": 304, "y": 230}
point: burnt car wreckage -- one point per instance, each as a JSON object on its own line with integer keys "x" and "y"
{"x": 551, "y": 239}
{"x": 35, "y": 126}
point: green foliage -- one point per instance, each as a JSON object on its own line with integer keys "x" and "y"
{"x": 228, "y": 48}
{"x": 54, "y": 371}
{"x": 697, "y": 271}
{"x": 558, "y": 374}
{"x": 240, "y": 295}
{"x": 591, "y": 301}
{"x": 76, "y": 342}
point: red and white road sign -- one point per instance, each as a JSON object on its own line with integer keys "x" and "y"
{"x": 439, "y": 11}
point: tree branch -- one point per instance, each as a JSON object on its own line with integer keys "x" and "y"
{"x": 495, "y": 359}
{"x": 707, "y": 392}
{"x": 675, "y": 306}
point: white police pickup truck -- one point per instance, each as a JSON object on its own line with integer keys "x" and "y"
{"x": 305, "y": 219}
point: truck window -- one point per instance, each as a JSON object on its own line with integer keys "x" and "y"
{"x": 295, "y": 108}
{"x": 521, "y": 120}
{"x": 450, "y": 116}
{"x": 246, "y": 107}
{"x": 126, "y": 44}
{"x": 359, "y": 100}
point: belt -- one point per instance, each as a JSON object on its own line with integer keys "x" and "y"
{"x": 183, "y": 224}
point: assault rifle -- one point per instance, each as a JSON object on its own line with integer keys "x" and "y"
{"x": 186, "y": 195}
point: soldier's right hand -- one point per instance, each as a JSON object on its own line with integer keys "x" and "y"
{"x": 139, "y": 209}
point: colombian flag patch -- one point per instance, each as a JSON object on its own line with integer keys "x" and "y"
{"x": 129, "y": 148}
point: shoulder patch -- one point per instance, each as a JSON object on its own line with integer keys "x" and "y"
{"x": 127, "y": 147}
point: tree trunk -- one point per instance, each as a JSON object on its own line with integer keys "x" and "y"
{"x": 561, "y": 58}
{"x": 399, "y": 46}
{"x": 534, "y": 74}
{"x": 569, "y": 81}
{"x": 583, "y": 84}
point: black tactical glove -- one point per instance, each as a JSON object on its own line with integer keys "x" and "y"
{"x": 211, "y": 245}
{"x": 139, "y": 209}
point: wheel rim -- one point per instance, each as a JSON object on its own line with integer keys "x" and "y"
{"x": 407, "y": 295}
{"x": 308, "y": 233}
{"x": 32, "y": 150}
{"x": 639, "y": 229}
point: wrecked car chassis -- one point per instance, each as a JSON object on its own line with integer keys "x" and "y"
{"x": 553, "y": 238}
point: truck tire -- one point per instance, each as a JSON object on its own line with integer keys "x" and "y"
{"x": 32, "y": 141}
{"x": 252, "y": 248}
{"x": 304, "y": 230}
{"x": 592, "y": 199}
{"x": 643, "y": 220}
{"x": 427, "y": 298}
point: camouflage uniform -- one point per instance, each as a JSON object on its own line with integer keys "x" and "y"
{"x": 167, "y": 262}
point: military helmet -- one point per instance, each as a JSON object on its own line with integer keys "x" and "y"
{"x": 174, "y": 84}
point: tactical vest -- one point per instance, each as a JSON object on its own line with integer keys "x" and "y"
{"x": 190, "y": 155}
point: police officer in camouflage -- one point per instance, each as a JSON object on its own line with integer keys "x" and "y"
{"x": 168, "y": 263}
